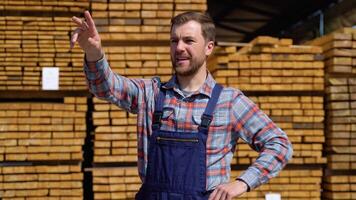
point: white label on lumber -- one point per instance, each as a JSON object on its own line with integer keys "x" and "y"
{"x": 273, "y": 196}
{"x": 50, "y": 78}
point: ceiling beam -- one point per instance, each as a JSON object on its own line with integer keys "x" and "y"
{"x": 300, "y": 10}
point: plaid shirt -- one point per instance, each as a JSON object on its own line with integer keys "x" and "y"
{"x": 234, "y": 117}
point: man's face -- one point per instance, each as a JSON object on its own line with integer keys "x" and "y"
{"x": 189, "y": 49}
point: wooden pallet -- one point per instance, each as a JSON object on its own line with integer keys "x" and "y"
{"x": 269, "y": 64}
{"x": 41, "y": 182}
{"x": 301, "y": 117}
{"x": 43, "y": 131}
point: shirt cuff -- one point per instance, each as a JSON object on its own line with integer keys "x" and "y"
{"x": 251, "y": 179}
{"x": 95, "y": 65}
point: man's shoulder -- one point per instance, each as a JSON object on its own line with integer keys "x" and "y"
{"x": 231, "y": 93}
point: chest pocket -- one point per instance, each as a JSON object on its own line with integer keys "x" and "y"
{"x": 220, "y": 119}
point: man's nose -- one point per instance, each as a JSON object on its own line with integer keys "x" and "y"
{"x": 180, "y": 46}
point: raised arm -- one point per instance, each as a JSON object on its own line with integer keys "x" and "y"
{"x": 102, "y": 81}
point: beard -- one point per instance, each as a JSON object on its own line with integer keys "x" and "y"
{"x": 194, "y": 65}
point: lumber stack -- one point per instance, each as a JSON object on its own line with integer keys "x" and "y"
{"x": 44, "y": 5}
{"x": 140, "y": 61}
{"x": 115, "y": 134}
{"x": 29, "y": 43}
{"x": 340, "y": 187}
{"x": 269, "y": 64}
{"x": 41, "y": 182}
{"x": 339, "y": 49}
{"x": 139, "y": 20}
{"x": 291, "y": 184}
{"x": 115, "y": 183}
{"x": 286, "y": 81}
{"x": 301, "y": 117}
{"x": 42, "y": 131}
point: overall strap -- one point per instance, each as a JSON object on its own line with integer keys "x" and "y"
{"x": 207, "y": 116}
{"x": 157, "y": 114}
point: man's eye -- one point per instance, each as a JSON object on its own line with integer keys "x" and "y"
{"x": 173, "y": 41}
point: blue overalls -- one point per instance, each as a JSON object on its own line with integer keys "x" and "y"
{"x": 176, "y": 168}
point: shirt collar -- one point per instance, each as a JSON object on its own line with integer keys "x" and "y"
{"x": 205, "y": 89}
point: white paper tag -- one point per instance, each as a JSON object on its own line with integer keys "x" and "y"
{"x": 273, "y": 196}
{"x": 50, "y": 78}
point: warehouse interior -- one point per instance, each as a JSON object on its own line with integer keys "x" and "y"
{"x": 295, "y": 59}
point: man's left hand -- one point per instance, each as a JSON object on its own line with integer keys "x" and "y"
{"x": 228, "y": 191}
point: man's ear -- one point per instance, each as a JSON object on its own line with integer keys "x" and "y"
{"x": 209, "y": 48}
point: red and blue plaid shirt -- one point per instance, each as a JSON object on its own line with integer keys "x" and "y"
{"x": 234, "y": 117}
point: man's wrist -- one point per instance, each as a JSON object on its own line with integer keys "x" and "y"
{"x": 93, "y": 58}
{"x": 244, "y": 182}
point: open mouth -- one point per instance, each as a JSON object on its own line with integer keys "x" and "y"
{"x": 182, "y": 59}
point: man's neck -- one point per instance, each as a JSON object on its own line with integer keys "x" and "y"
{"x": 193, "y": 82}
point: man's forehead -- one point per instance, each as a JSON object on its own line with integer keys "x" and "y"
{"x": 189, "y": 28}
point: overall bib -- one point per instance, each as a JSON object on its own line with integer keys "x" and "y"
{"x": 176, "y": 168}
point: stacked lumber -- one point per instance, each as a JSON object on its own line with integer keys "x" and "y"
{"x": 339, "y": 187}
{"x": 44, "y": 5}
{"x": 140, "y": 61}
{"x": 340, "y": 55}
{"x": 29, "y": 43}
{"x": 115, "y": 183}
{"x": 339, "y": 49}
{"x": 302, "y": 118}
{"x": 43, "y": 131}
{"x": 291, "y": 184}
{"x": 115, "y": 134}
{"x": 41, "y": 182}
{"x": 269, "y": 64}
{"x": 140, "y": 20}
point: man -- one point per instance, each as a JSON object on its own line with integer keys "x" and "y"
{"x": 188, "y": 127}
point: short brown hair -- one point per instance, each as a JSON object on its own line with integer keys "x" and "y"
{"x": 207, "y": 24}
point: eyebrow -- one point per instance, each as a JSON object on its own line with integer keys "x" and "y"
{"x": 184, "y": 38}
